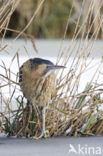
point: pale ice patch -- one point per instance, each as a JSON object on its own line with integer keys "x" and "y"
{"x": 3, "y": 134}
{"x": 69, "y": 129}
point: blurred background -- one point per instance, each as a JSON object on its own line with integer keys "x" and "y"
{"x": 54, "y": 15}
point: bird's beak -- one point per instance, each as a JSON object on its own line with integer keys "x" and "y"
{"x": 53, "y": 67}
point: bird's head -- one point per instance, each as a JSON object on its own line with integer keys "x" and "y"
{"x": 42, "y": 67}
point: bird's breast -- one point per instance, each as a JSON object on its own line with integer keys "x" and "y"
{"x": 38, "y": 90}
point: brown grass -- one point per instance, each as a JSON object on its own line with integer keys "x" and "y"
{"x": 71, "y": 112}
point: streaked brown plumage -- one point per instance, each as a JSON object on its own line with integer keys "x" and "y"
{"x": 37, "y": 82}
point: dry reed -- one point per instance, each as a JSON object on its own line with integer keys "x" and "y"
{"x": 71, "y": 112}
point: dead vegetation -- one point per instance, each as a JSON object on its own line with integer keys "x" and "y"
{"x": 71, "y": 112}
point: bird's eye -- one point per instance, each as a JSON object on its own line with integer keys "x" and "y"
{"x": 46, "y": 70}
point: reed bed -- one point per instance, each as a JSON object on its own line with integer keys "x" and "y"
{"x": 70, "y": 111}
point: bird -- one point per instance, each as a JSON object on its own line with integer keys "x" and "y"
{"x": 37, "y": 81}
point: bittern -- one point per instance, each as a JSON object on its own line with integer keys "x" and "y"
{"x": 37, "y": 82}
